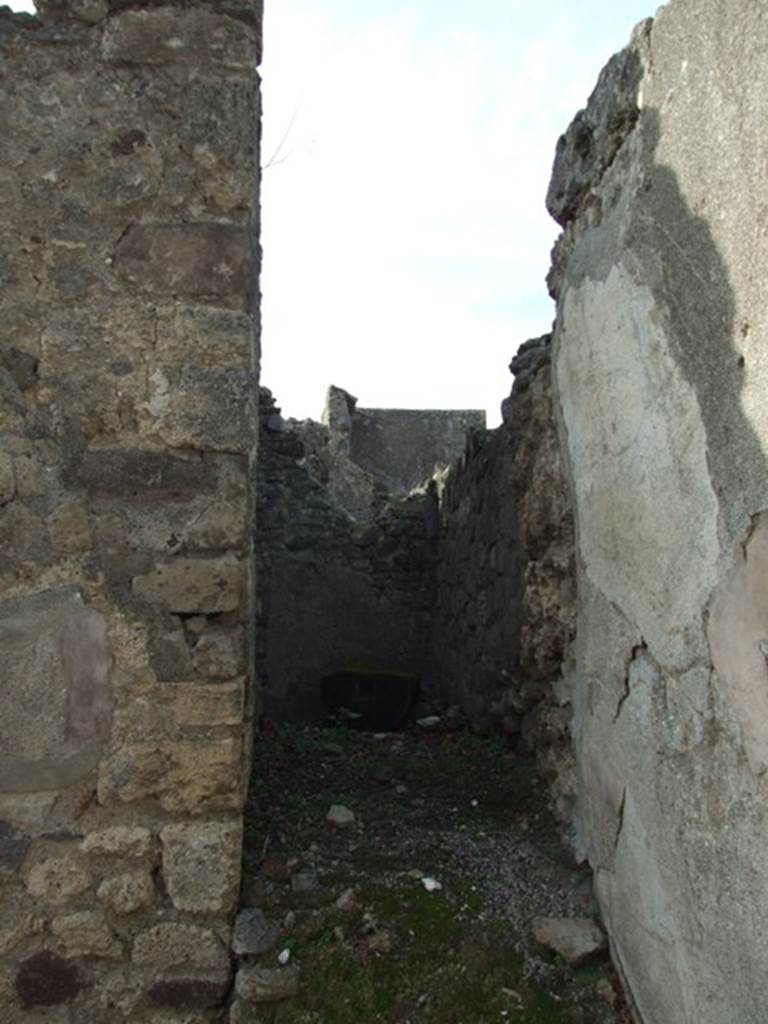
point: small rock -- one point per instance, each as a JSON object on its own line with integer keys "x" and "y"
{"x": 416, "y": 873}
{"x": 338, "y": 933}
{"x": 575, "y": 939}
{"x": 340, "y": 816}
{"x": 253, "y": 933}
{"x": 347, "y": 900}
{"x": 289, "y": 920}
{"x": 380, "y": 942}
{"x": 306, "y": 881}
{"x": 284, "y": 956}
{"x": 401, "y": 789}
{"x": 431, "y": 884}
{"x": 429, "y": 722}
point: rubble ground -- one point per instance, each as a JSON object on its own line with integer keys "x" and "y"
{"x": 420, "y": 909}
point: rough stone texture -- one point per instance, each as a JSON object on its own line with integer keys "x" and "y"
{"x": 128, "y": 892}
{"x": 56, "y": 880}
{"x": 86, "y": 933}
{"x": 266, "y": 984}
{"x": 335, "y": 592}
{"x": 660, "y": 369}
{"x": 575, "y": 939}
{"x": 505, "y": 598}
{"x": 128, "y": 372}
{"x": 399, "y": 448}
{"x": 254, "y": 933}
{"x": 201, "y": 865}
{"x": 179, "y": 946}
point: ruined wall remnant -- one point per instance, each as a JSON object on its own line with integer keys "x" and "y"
{"x": 505, "y": 597}
{"x": 128, "y": 261}
{"x": 399, "y": 448}
{"x": 342, "y": 583}
{"x": 659, "y": 358}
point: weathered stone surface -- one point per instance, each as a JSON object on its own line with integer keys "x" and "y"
{"x": 134, "y": 474}
{"x": 169, "y": 35}
{"x": 85, "y": 934}
{"x": 220, "y": 654}
{"x": 206, "y": 336}
{"x": 7, "y": 479}
{"x": 198, "y": 261}
{"x": 185, "y": 777}
{"x": 340, "y": 816}
{"x": 13, "y": 846}
{"x": 57, "y": 879}
{"x": 660, "y": 382}
{"x": 189, "y": 993}
{"x": 201, "y": 865}
{"x": 364, "y": 584}
{"x": 190, "y": 586}
{"x": 46, "y": 979}
{"x": 70, "y": 529}
{"x": 17, "y": 922}
{"x": 185, "y": 946}
{"x": 254, "y": 933}
{"x": 128, "y": 892}
{"x": 55, "y": 707}
{"x": 575, "y": 939}
{"x": 185, "y": 403}
{"x": 267, "y": 984}
{"x": 119, "y": 841}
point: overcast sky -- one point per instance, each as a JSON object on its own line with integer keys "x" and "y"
{"x": 408, "y": 146}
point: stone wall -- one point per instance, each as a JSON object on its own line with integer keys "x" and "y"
{"x": 128, "y": 260}
{"x": 337, "y": 591}
{"x": 399, "y": 448}
{"x": 661, "y": 377}
{"x": 505, "y": 598}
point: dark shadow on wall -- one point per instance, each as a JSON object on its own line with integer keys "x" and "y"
{"x": 690, "y": 280}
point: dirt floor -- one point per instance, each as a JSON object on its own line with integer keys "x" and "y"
{"x": 419, "y": 911}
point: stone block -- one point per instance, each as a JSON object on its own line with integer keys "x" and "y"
{"x": 203, "y": 261}
{"x": 56, "y": 880}
{"x": 196, "y": 705}
{"x": 185, "y": 408}
{"x": 185, "y": 777}
{"x": 70, "y": 529}
{"x": 197, "y": 993}
{"x": 266, "y": 984}
{"x": 196, "y": 37}
{"x": 55, "y": 705}
{"x": 220, "y": 527}
{"x": 220, "y": 654}
{"x": 47, "y": 979}
{"x": 201, "y": 865}
{"x": 253, "y": 933}
{"x": 144, "y": 475}
{"x": 204, "y": 336}
{"x": 194, "y": 585}
{"x": 86, "y": 934}
{"x": 30, "y": 476}
{"x": 17, "y": 922}
{"x": 13, "y": 847}
{"x": 169, "y": 946}
{"x": 128, "y": 892}
{"x": 119, "y": 841}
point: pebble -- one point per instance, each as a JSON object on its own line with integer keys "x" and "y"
{"x": 431, "y": 884}
{"x": 284, "y": 956}
{"x": 575, "y": 939}
{"x": 340, "y": 816}
{"x": 429, "y": 722}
